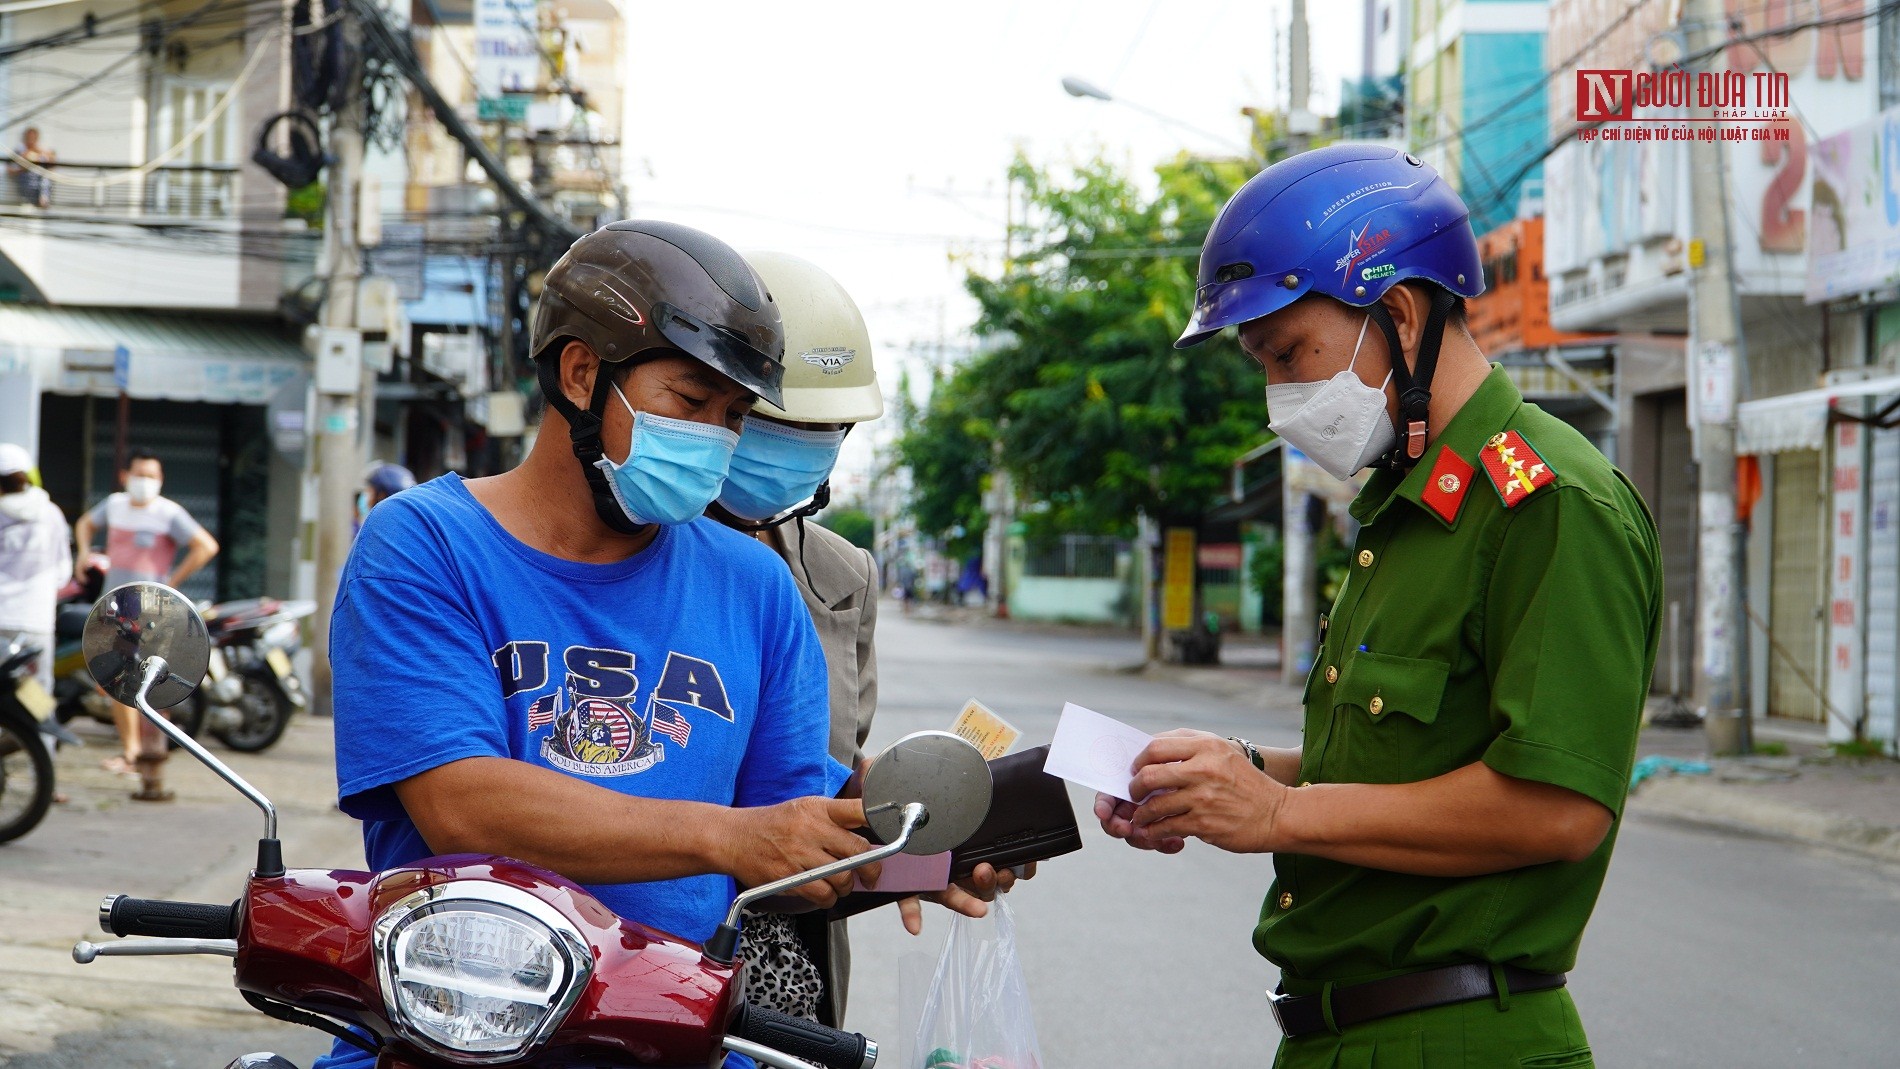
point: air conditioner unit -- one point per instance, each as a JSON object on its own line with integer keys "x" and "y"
{"x": 452, "y": 357}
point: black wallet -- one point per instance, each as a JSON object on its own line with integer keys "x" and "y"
{"x": 1030, "y": 819}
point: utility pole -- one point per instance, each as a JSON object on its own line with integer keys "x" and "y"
{"x": 1715, "y": 354}
{"x": 1301, "y": 123}
{"x": 344, "y": 387}
{"x": 1299, "y": 571}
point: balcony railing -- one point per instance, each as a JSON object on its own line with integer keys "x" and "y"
{"x": 198, "y": 191}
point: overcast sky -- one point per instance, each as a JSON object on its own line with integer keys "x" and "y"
{"x": 872, "y": 138}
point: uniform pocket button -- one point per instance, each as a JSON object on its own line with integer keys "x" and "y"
{"x": 1286, "y": 900}
{"x": 1377, "y": 705}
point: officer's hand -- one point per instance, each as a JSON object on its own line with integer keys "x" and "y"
{"x": 1193, "y": 784}
{"x": 1118, "y": 820}
{"x": 772, "y": 842}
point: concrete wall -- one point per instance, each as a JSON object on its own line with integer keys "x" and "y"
{"x": 103, "y": 123}
{"x": 1079, "y": 601}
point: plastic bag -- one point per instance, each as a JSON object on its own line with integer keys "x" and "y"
{"x": 976, "y": 1013}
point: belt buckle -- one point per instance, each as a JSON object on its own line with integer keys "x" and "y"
{"x": 1274, "y": 998}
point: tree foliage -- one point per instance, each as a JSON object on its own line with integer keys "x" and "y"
{"x": 946, "y": 444}
{"x": 1098, "y": 416}
{"x": 851, "y": 523}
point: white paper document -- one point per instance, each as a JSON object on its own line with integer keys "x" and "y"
{"x": 1095, "y": 751}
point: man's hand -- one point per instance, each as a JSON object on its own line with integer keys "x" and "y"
{"x": 967, "y": 896}
{"x": 203, "y": 547}
{"x": 1195, "y": 784}
{"x": 772, "y": 842}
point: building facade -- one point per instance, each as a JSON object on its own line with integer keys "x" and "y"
{"x": 141, "y": 273}
{"x": 1475, "y": 98}
{"x": 1620, "y": 254}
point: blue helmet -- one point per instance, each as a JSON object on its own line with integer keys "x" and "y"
{"x": 1350, "y": 221}
{"x": 387, "y": 479}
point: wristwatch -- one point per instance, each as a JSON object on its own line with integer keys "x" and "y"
{"x": 1252, "y": 751}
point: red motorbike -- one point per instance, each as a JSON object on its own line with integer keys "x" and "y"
{"x": 486, "y": 961}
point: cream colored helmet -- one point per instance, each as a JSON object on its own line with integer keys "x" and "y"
{"x": 829, "y": 375}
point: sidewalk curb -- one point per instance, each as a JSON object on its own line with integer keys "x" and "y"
{"x": 1702, "y": 802}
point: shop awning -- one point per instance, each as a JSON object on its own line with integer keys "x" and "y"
{"x": 160, "y": 356}
{"x": 1799, "y": 420}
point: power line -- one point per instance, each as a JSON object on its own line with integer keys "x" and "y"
{"x": 212, "y": 115}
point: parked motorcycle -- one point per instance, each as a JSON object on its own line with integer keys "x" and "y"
{"x": 26, "y": 763}
{"x": 251, "y": 688}
{"x": 480, "y": 960}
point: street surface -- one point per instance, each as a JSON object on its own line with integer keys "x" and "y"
{"x": 1707, "y": 949}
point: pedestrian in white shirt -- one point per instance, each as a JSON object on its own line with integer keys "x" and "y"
{"x": 35, "y": 558}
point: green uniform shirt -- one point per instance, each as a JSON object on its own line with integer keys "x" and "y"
{"x": 1522, "y": 637}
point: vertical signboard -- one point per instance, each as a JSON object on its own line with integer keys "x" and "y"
{"x": 1177, "y": 580}
{"x": 1846, "y": 598}
{"x": 507, "y": 55}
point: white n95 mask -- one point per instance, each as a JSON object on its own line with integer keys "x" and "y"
{"x": 1341, "y": 423}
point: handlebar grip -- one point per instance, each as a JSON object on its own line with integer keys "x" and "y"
{"x": 125, "y": 915}
{"x": 804, "y": 1039}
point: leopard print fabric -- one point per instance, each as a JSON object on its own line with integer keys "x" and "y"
{"x": 779, "y": 973}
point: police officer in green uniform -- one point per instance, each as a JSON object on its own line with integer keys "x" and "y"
{"x": 1442, "y": 833}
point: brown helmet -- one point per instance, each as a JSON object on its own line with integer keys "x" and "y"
{"x": 640, "y": 285}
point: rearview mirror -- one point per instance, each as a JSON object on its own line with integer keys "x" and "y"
{"x": 941, "y": 771}
{"x": 135, "y": 622}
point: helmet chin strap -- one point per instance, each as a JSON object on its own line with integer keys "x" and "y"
{"x": 1415, "y": 387}
{"x": 583, "y": 432}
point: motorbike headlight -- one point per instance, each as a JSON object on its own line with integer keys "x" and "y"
{"x": 478, "y": 972}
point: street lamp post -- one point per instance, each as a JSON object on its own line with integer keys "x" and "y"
{"x": 1080, "y": 89}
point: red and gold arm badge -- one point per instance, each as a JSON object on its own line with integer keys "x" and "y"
{"x": 1514, "y": 467}
{"x": 1444, "y": 491}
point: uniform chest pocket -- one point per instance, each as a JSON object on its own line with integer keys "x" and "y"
{"x": 1384, "y": 709}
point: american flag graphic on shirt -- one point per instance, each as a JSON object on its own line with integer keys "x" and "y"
{"x": 667, "y": 721}
{"x": 545, "y": 710}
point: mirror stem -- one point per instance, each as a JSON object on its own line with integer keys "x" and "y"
{"x": 270, "y": 860}
{"x": 724, "y": 944}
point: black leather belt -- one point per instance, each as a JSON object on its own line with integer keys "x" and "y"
{"x": 1300, "y": 1015}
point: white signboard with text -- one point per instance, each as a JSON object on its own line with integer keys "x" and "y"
{"x": 507, "y": 55}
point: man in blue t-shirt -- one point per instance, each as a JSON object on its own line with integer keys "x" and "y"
{"x": 566, "y": 664}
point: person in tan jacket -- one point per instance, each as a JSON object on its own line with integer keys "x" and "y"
{"x": 779, "y": 477}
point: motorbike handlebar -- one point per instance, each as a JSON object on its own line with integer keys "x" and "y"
{"x": 804, "y": 1039}
{"x": 125, "y": 915}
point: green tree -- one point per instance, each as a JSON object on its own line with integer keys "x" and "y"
{"x": 1098, "y": 415}
{"x": 946, "y": 444}
{"x": 850, "y": 522}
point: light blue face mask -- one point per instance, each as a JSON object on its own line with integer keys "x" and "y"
{"x": 673, "y": 470}
{"x": 776, "y": 467}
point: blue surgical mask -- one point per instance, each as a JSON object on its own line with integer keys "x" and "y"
{"x": 673, "y": 470}
{"x": 776, "y": 467}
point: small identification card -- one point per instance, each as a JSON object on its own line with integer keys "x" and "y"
{"x": 989, "y": 733}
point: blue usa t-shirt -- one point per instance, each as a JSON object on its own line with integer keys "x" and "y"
{"x": 689, "y": 671}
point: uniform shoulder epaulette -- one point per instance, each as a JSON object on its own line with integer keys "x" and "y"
{"x": 1515, "y": 469}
